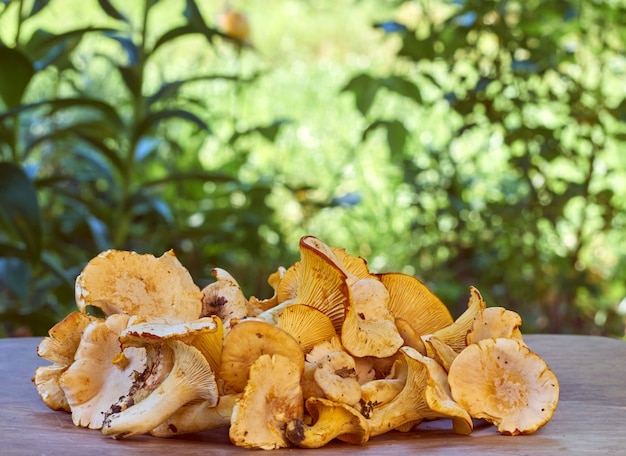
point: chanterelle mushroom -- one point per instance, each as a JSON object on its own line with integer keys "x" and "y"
{"x": 330, "y": 420}
{"x": 502, "y": 381}
{"x": 224, "y": 298}
{"x": 271, "y": 399}
{"x": 495, "y": 322}
{"x": 191, "y": 378}
{"x": 336, "y": 376}
{"x": 248, "y": 340}
{"x": 101, "y": 372}
{"x": 59, "y": 347}
{"x": 158, "y": 289}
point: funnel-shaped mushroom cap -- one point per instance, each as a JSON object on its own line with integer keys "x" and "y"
{"x": 336, "y": 376}
{"x": 502, "y": 381}
{"x": 158, "y": 289}
{"x": 321, "y": 281}
{"x": 59, "y": 347}
{"x": 101, "y": 372}
{"x": 224, "y": 297}
{"x": 493, "y": 322}
{"x": 287, "y": 288}
{"x": 248, "y": 340}
{"x": 369, "y": 328}
{"x": 355, "y": 266}
{"x": 330, "y": 420}
{"x": 306, "y": 324}
{"x": 271, "y": 399}
{"x": 413, "y": 302}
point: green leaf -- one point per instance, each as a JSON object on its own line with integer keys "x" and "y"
{"x": 269, "y": 132}
{"x": 38, "y": 5}
{"x": 364, "y": 88}
{"x": 13, "y": 83}
{"x": 403, "y": 87}
{"x": 396, "y": 135}
{"x": 19, "y": 209}
{"x": 153, "y": 119}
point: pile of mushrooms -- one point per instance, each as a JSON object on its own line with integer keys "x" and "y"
{"x": 338, "y": 352}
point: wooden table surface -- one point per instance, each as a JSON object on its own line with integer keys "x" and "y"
{"x": 590, "y": 418}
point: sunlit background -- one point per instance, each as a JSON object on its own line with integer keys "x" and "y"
{"x": 468, "y": 143}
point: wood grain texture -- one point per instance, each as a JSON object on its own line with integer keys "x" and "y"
{"x": 590, "y": 418}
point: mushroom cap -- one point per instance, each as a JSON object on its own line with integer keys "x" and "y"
{"x": 412, "y": 301}
{"x": 494, "y": 322}
{"x": 306, "y": 324}
{"x": 502, "y": 381}
{"x": 271, "y": 399}
{"x": 158, "y": 289}
{"x": 224, "y": 297}
{"x": 59, "y": 347}
{"x": 101, "y": 372}
{"x": 206, "y": 334}
{"x": 248, "y": 340}
{"x": 336, "y": 376}
{"x": 369, "y": 328}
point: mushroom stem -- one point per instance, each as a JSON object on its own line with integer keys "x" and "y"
{"x": 198, "y": 416}
{"x": 191, "y": 378}
{"x": 332, "y": 420}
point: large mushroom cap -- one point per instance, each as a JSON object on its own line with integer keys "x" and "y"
{"x": 502, "y": 381}
{"x": 158, "y": 289}
{"x": 247, "y": 341}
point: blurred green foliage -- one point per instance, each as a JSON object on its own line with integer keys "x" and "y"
{"x": 480, "y": 145}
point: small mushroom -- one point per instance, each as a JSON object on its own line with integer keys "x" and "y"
{"x": 369, "y": 328}
{"x": 224, "y": 298}
{"x": 502, "y": 381}
{"x": 494, "y": 322}
{"x": 59, "y": 347}
{"x": 336, "y": 376}
{"x": 158, "y": 289}
{"x": 271, "y": 399}
{"x": 248, "y": 340}
{"x": 331, "y": 420}
{"x": 190, "y": 379}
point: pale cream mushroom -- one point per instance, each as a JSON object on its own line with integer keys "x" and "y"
{"x": 271, "y": 399}
{"x": 330, "y": 420}
{"x": 190, "y": 379}
{"x": 197, "y": 417}
{"x": 59, "y": 347}
{"x": 336, "y": 376}
{"x": 157, "y": 289}
{"x": 369, "y": 328}
{"x": 494, "y": 322}
{"x": 503, "y": 382}
{"x": 224, "y": 298}
{"x": 101, "y": 372}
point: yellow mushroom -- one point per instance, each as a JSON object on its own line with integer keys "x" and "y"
{"x": 330, "y": 420}
{"x": 495, "y": 322}
{"x": 59, "y": 347}
{"x": 157, "y": 289}
{"x": 271, "y": 399}
{"x": 503, "y": 382}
